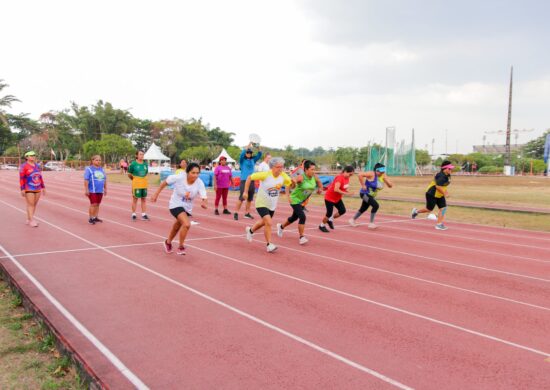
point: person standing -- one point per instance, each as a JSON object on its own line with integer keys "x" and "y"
{"x": 372, "y": 182}
{"x": 333, "y": 198}
{"x": 223, "y": 178}
{"x": 137, "y": 172}
{"x": 187, "y": 186}
{"x": 95, "y": 188}
{"x": 247, "y": 161}
{"x": 264, "y": 165}
{"x": 304, "y": 186}
{"x": 32, "y": 185}
{"x": 183, "y": 165}
{"x": 271, "y": 183}
{"x": 436, "y": 194}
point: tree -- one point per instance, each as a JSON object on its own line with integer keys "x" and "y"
{"x": 216, "y": 136}
{"x": 535, "y": 148}
{"x": 346, "y": 156}
{"x": 199, "y": 154}
{"x": 422, "y": 157}
{"x": 60, "y": 136}
{"x": 111, "y": 146}
{"x": 141, "y": 135}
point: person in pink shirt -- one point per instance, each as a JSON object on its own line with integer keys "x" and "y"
{"x": 32, "y": 185}
{"x": 223, "y": 178}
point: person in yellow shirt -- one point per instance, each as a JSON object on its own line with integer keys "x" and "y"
{"x": 271, "y": 183}
{"x": 137, "y": 172}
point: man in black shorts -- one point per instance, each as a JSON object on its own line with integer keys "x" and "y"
{"x": 247, "y": 162}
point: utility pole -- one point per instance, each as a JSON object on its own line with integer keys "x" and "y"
{"x": 433, "y": 142}
{"x": 446, "y": 133}
{"x": 508, "y": 157}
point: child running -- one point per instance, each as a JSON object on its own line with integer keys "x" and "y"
{"x": 137, "y": 172}
{"x": 304, "y": 185}
{"x": 333, "y": 198}
{"x": 95, "y": 188}
{"x": 436, "y": 194}
{"x": 271, "y": 183}
{"x": 32, "y": 185}
{"x": 372, "y": 182}
{"x": 187, "y": 185}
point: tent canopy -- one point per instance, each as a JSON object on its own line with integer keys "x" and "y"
{"x": 154, "y": 153}
{"x": 226, "y": 155}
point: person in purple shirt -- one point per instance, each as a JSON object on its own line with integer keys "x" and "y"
{"x": 223, "y": 178}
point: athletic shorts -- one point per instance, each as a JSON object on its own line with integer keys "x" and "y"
{"x": 331, "y": 205}
{"x": 139, "y": 192}
{"x": 95, "y": 198}
{"x": 33, "y": 191}
{"x": 251, "y": 191}
{"x": 263, "y": 211}
{"x": 432, "y": 201}
{"x": 177, "y": 211}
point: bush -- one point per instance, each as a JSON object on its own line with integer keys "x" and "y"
{"x": 490, "y": 169}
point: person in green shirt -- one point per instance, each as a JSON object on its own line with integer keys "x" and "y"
{"x": 137, "y": 172}
{"x": 304, "y": 185}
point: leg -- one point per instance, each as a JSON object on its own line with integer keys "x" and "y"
{"x": 341, "y": 209}
{"x": 175, "y": 228}
{"x": 267, "y": 221}
{"x": 225, "y": 192}
{"x": 185, "y": 226}
{"x": 364, "y": 207}
{"x": 144, "y": 205}
{"x": 134, "y": 204}
{"x": 374, "y": 209}
{"x": 218, "y": 196}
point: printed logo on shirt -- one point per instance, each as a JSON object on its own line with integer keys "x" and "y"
{"x": 273, "y": 191}
{"x": 99, "y": 175}
{"x": 35, "y": 178}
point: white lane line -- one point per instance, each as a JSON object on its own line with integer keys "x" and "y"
{"x": 251, "y": 317}
{"x": 393, "y": 308}
{"x": 80, "y": 249}
{"x": 89, "y": 335}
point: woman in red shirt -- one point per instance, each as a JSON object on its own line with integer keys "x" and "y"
{"x": 32, "y": 185}
{"x": 333, "y": 198}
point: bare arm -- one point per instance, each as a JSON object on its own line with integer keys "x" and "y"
{"x": 246, "y": 187}
{"x": 157, "y": 193}
{"x": 388, "y": 181}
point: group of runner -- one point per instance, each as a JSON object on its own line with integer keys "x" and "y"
{"x": 187, "y": 186}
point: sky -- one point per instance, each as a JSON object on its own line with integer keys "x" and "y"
{"x": 304, "y": 73}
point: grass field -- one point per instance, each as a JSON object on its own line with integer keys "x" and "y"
{"x": 513, "y": 191}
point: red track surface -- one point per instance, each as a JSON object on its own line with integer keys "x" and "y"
{"x": 403, "y": 306}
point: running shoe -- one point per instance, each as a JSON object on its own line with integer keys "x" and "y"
{"x": 414, "y": 213}
{"x": 226, "y": 211}
{"x": 236, "y": 216}
{"x": 96, "y": 219}
{"x": 91, "y": 221}
{"x": 351, "y": 221}
{"x": 180, "y": 251}
{"x": 279, "y": 230}
{"x": 134, "y": 217}
{"x": 303, "y": 240}
{"x": 248, "y": 234}
{"x": 330, "y": 224}
{"x": 372, "y": 226}
{"x": 216, "y": 212}
{"x": 271, "y": 247}
{"x": 167, "y": 247}
{"x": 323, "y": 229}
{"x": 33, "y": 223}
{"x": 440, "y": 226}
{"x": 28, "y": 221}
{"x": 144, "y": 217}
{"x": 247, "y": 215}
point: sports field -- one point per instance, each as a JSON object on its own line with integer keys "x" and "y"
{"x": 404, "y": 306}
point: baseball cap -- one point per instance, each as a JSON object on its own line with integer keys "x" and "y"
{"x": 31, "y": 153}
{"x": 248, "y": 150}
{"x": 447, "y": 165}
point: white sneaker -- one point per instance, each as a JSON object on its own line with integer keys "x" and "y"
{"x": 372, "y": 226}
{"x": 351, "y": 221}
{"x": 279, "y": 230}
{"x": 303, "y": 240}
{"x": 271, "y": 247}
{"x": 414, "y": 213}
{"x": 248, "y": 234}
{"x": 440, "y": 226}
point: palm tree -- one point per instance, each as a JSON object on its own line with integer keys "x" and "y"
{"x": 5, "y": 101}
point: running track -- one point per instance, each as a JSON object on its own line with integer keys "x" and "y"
{"x": 401, "y": 307}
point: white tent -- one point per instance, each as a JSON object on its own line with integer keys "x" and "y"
{"x": 154, "y": 153}
{"x": 226, "y": 155}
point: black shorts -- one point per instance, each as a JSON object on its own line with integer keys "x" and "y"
{"x": 177, "y": 211}
{"x": 263, "y": 211}
{"x": 432, "y": 201}
{"x": 339, "y": 206}
{"x": 251, "y": 191}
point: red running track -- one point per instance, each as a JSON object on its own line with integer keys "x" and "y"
{"x": 404, "y": 306}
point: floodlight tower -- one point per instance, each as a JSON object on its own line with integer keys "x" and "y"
{"x": 507, "y": 157}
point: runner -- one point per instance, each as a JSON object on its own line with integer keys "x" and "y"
{"x": 137, "y": 171}
{"x": 32, "y": 185}
{"x": 304, "y": 185}
{"x": 95, "y": 187}
{"x": 247, "y": 161}
{"x": 333, "y": 198}
{"x": 223, "y": 178}
{"x": 372, "y": 182}
{"x": 187, "y": 185}
{"x": 183, "y": 166}
{"x": 436, "y": 194}
{"x": 271, "y": 183}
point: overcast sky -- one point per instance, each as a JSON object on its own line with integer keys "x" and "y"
{"x": 304, "y": 72}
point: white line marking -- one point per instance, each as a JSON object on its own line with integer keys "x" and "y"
{"x": 227, "y": 306}
{"x": 98, "y": 344}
